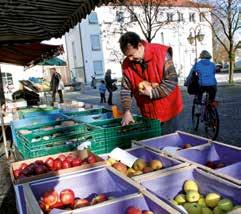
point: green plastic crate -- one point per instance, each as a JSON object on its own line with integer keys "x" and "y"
{"x": 38, "y": 140}
{"x": 86, "y": 112}
{"x": 33, "y": 112}
{"x": 117, "y": 136}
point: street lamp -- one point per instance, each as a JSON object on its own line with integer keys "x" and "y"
{"x": 194, "y": 36}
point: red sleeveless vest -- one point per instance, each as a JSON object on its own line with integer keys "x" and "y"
{"x": 164, "y": 108}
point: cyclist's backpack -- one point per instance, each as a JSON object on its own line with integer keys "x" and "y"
{"x": 193, "y": 84}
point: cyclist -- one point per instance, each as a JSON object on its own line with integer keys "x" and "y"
{"x": 205, "y": 70}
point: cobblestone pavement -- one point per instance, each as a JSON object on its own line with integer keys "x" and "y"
{"x": 230, "y": 129}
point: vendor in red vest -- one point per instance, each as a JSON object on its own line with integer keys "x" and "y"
{"x": 150, "y": 76}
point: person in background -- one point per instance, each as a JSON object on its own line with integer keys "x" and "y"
{"x": 109, "y": 85}
{"x": 205, "y": 70}
{"x": 150, "y": 76}
{"x": 102, "y": 89}
{"x": 56, "y": 85}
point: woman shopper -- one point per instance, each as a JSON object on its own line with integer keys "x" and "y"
{"x": 109, "y": 85}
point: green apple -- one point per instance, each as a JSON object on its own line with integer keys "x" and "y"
{"x": 212, "y": 199}
{"x": 194, "y": 208}
{"x": 190, "y": 185}
{"x": 225, "y": 205}
{"x": 174, "y": 202}
{"x": 180, "y": 198}
{"x": 192, "y": 196}
{"x": 206, "y": 210}
{"x": 217, "y": 210}
{"x": 187, "y": 205}
{"x": 202, "y": 202}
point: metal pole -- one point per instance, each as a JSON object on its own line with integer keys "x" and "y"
{"x": 3, "y": 132}
{"x": 2, "y": 101}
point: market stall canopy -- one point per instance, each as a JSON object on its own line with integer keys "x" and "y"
{"x": 28, "y": 54}
{"x": 37, "y": 20}
{"x": 53, "y": 61}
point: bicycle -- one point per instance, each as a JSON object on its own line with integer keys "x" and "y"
{"x": 206, "y": 113}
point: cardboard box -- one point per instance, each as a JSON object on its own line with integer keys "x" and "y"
{"x": 82, "y": 154}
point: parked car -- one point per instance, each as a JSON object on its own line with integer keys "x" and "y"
{"x": 218, "y": 67}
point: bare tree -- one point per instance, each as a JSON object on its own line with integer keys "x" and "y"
{"x": 147, "y": 14}
{"x": 225, "y": 24}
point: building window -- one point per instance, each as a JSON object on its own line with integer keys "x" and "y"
{"x": 133, "y": 17}
{"x": 191, "y": 17}
{"x": 170, "y": 17}
{"x": 95, "y": 42}
{"x": 180, "y": 17}
{"x": 202, "y": 17}
{"x": 7, "y": 79}
{"x": 119, "y": 16}
{"x": 98, "y": 67}
{"x": 93, "y": 18}
{"x": 162, "y": 37}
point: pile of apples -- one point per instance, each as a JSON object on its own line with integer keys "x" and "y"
{"x": 50, "y": 164}
{"x": 67, "y": 200}
{"x": 195, "y": 203}
{"x": 139, "y": 167}
{"x": 215, "y": 164}
{"x": 136, "y": 210}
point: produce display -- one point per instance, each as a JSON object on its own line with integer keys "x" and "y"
{"x": 215, "y": 164}
{"x": 52, "y": 164}
{"x": 139, "y": 167}
{"x": 136, "y": 210}
{"x": 196, "y": 203}
{"x": 67, "y": 200}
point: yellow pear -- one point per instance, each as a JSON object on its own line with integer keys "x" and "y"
{"x": 180, "y": 199}
{"x": 190, "y": 185}
{"x": 139, "y": 164}
{"x": 192, "y": 196}
{"x": 212, "y": 199}
{"x": 111, "y": 161}
{"x": 130, "y": 172}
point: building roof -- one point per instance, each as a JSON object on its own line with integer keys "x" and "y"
{"x": 28, "y": 54}
{"x": 37, "y": 20}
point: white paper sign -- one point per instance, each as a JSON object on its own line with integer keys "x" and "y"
{"x": 84, "y": 145}
{"x": 123, "y": 156}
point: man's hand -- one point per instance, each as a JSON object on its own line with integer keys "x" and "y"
{"x": 127, "y": 118}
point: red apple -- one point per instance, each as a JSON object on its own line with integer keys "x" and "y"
{"x": 27, "y": 171}
{"x": 91, "y": 159}
{"x": 70, "y": 157}
{"x": 66, "y": 164}
{"x": 57, "y": 164}
{"x": 186, "y": 146}
{"x": 58, "y": 204}
{"x": 78, "y": 203}
{"x": 16, "y": 172}
{"x": 211, "y": 164}
{"x": 76, "y": 162}
{"x": 101, "y": 197}
{"x": 133, "y": 210}
{"x": 50, "y": 197}
{"x": 39, "y": 162}
{"x": 39, "y": 169}
{"x": 67, "y": 196}
{"x": 61, "y": 157}
{"x": 50, "y": 163}
{"x": 147, "y": 212}
{"x": 23, "y": 166}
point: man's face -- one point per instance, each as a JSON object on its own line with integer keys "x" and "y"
{"x": 52, "y": 70}
{"x": 135, "y": 54}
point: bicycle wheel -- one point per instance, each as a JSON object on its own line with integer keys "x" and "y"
{"x": 211, "y": 122}
{"x": 195, "y": 115}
